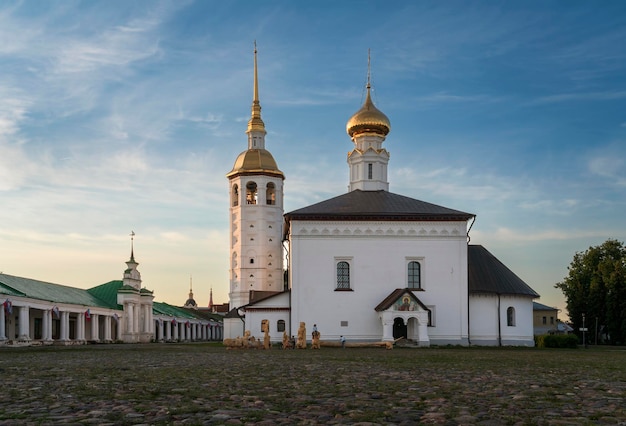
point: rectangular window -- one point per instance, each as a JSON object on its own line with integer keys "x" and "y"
{"x": 369, "y": 171}
{"x": 552, "y": 320}
{"x": 414, "y": 275}
{"x": 344, "y": 323}
{"x": 543, "y": 320}
{"x": 343, "y": 275}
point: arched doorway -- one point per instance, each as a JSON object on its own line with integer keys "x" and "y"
{"x": 399, "y": 328}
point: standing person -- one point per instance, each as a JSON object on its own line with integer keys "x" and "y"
{"x": 314, "y": 330}
{"x": 343, "y": 342}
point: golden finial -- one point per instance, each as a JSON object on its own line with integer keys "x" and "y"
{"x": 369, "y": 68}
{"x": 256, "y": 123}
{"x": 132, "y": 249}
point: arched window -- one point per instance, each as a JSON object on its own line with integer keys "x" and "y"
{"x": 510, "y": 316}
{"x": 280, "y": 325}
{"x": 414, "y": 275}
{"x": 270, "y": 194}
{"x": 235, "y": 195}
{"x": 251, "y": 193}
{"x": 343, "y": 275}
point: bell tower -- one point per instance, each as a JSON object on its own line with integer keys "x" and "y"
{"x": 256, "y": 213}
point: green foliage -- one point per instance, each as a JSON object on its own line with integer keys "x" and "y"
{"x": 596, "y": 287}
{"x": 557, "y": 341}
{"x": 540, "y": 341}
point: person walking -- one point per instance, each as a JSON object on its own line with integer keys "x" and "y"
{"x": 343, "y": 342}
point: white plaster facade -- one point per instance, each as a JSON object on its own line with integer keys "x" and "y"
{"x": 256, "y": 230}
{"x": 275, "y": 309}
{"x": 378, "y": 254}
{"x": 491, "y": 323}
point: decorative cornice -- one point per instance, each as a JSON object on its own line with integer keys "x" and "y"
{"x": 380, "y": 229}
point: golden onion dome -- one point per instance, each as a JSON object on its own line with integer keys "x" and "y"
{"x": 255, "y": 161}
{"x": 368, "y": 119}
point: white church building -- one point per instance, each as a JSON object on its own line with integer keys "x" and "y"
{"x": 369, "y": 265}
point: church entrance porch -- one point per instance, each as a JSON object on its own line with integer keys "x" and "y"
{"x": 403, "y": 315}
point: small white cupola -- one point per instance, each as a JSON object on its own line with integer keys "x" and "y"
{"x": 368, "y": 128}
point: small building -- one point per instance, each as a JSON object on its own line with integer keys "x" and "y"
{"x": 545, "y": 319}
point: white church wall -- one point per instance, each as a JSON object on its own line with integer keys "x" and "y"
{"x": 521, "y": 333}
{"x": 255, "y": 317}
{"x": 233, "y": 327}
{"x": 273, "y": 309}
{"x": 378, "y": 254}
{"x": 483, "y": 310}
{"x": 486, "y": 330}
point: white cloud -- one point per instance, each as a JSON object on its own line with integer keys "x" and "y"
{"x": 581, "y": 96}
{"x": 13, "y": 111}
{"x": 514, "y": 236}
{"x": 608, "y": 162}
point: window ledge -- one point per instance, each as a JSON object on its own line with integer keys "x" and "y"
{"x": 344, "y": 289}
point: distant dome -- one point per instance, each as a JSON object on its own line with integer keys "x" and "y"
{"x": 368, "y": 119}
{"x": 191, "y": 302}
{"x": 257, "y": 161}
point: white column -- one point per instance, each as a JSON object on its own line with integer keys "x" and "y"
{"x": 119, "y": 328}
{"x": 387, "y": 321}
{"x": 136, "y": 316}
{"x": 147, "y": 326}
{"x": 107, "y": 328}
{"x": 94, "y": 328}
{"x": 130, "y": 316}
{"x": 65, "y": 326}
{"x": 424, "y": 340}
{"x": 161, "y": 333}
{"x": 150, "y": 317}
{"x": 24, "y": 327}
{"x": 192, "y": 330}
{"x": 175, "y": 330}
{"x": 168, "y": 330}
{"x": 80, "y": 327}
{"x": 3, "y": 335}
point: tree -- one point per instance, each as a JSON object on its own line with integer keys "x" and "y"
{"x": 596, "y": 287}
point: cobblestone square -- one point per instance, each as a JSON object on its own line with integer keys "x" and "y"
{"x": 207, "y": 384}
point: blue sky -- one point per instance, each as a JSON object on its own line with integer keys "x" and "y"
{"x": 119, "y": 116}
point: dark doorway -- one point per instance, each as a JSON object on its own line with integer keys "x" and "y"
{"x": 399, "y": 328}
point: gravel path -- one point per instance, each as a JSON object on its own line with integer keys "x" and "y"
{"x": 206, "y": 384}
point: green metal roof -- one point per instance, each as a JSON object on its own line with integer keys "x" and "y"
{"x": 41, "y": 290}
{"x": 107, "y": 292}
{"x": 104, "y": 295}
{"x": 161, "y": 308}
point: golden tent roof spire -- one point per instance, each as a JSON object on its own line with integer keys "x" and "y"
{"x": 256, "y": 123}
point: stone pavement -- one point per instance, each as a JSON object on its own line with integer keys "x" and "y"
{"x": 205, "y": 384}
